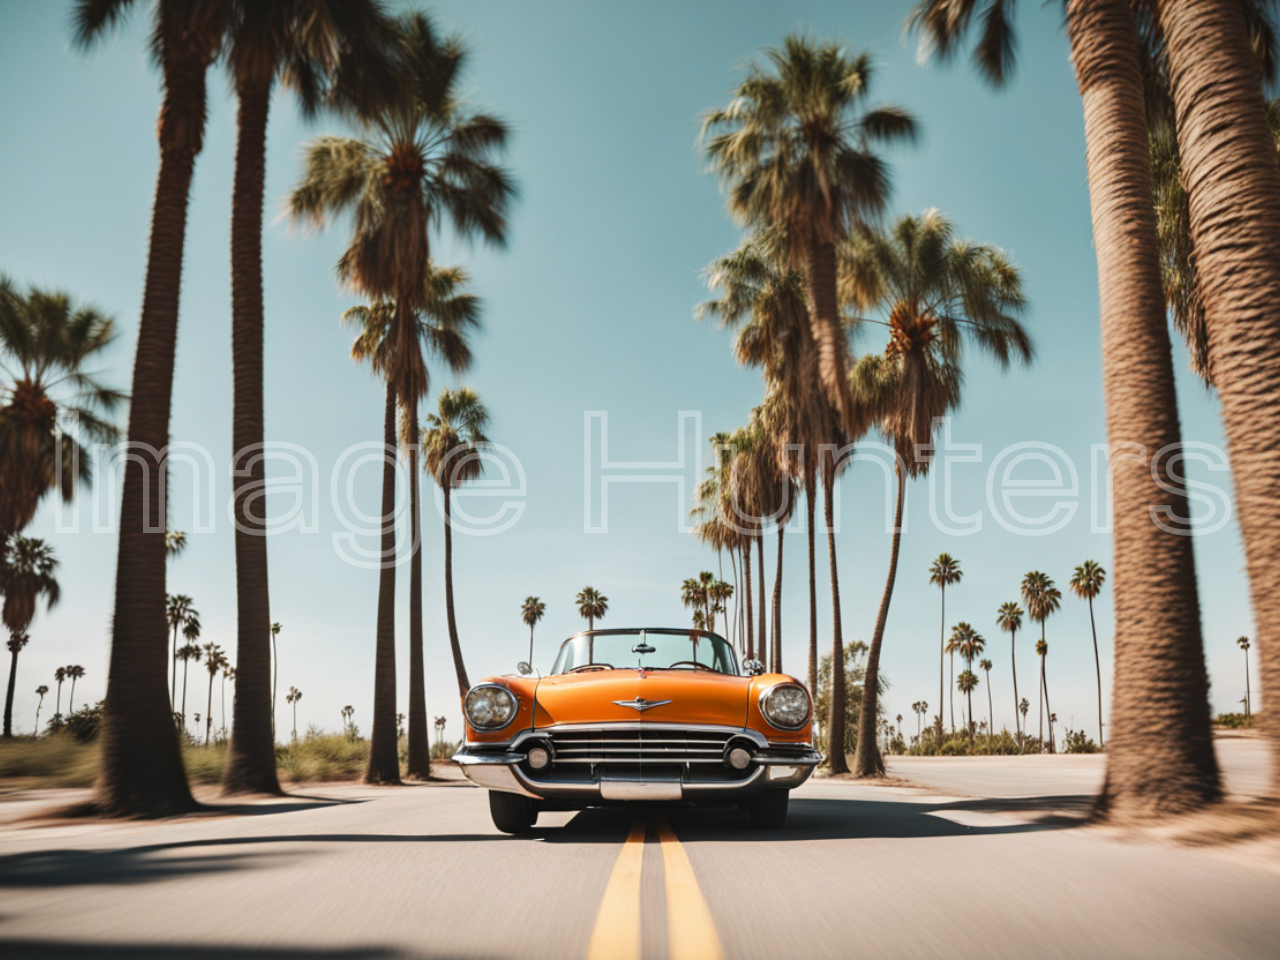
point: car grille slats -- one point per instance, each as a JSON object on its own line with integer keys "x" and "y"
{"x": 639, "y": 746}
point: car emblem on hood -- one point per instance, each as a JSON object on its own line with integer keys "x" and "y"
{"x": 640, "y": 703}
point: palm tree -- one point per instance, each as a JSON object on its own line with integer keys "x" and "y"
{"x": 175, "y": 542}
{"x": 53, "y": 399}
{"x": 425, "y": 158}
{"x": 59, "y": 676}
{"x": 937, "y": 293}
{"x": 1009, "y": 619}
{"x": 944, "y": 572}
{"x": 1217, "y": 100}
{"x": 180, "y": 612}
{"x": 1087, "y": 582}
{"x": 142, "y": 769}
{"x": 592, "y": 605}
{"x": 348, "y": 712}
{"x": 274, "y": 630}
{"x": 74, "y": 673}
{"x": 27, "y": 568}
{"x": 228, "y": 673}
{"x": 1244, "y": 645}
{"x": 292, "y": 697}
{"x": 756, "y": 282}
{"x": 40, "y": 692}
{"x": 1042, "y": 599}
{"x": 920, "y": 707}
{"x": 214, "y": 661}
{"x": 985, "y": 666}
{"x": 795, "y": 150}
{"x": 322, "y": 50}
{"x": 969, "y": 644}
{"x": 1161, "y": 757}
{"x": 446, "y": 316}
{"x": 1042, "y": 650}
{"x": 1024, "y": 705}
{"x": 966, "y": 682}
{"x": 454, "y": 441}
{"x": 186, "y": 653}
{"x": 531, "y": 612}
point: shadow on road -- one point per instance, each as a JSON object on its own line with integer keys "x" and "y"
{"x": 63, "y": 950}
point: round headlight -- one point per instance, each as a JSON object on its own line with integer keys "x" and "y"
{"x": 489, "y": 706}
{"x": 786, "y": 706}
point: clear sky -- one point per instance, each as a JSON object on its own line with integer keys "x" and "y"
{"x": 589, "y": 308}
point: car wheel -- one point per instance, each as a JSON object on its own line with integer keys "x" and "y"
{"x": 769, "y": 810}
{"x": 511, "y": 812}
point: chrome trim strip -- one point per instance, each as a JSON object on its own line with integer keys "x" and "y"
{"x": 493, "y": 773}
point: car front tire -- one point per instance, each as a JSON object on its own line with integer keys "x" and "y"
{"x": 512, "y": 813}
{"x": 769, "y": 810}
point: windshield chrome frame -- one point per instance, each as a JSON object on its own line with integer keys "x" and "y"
{"x": 640, "y": 631}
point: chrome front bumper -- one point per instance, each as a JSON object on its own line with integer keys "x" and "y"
{"x": 500, "y": 767}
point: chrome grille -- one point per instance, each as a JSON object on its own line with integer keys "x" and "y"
{"x": 656, "y": 745}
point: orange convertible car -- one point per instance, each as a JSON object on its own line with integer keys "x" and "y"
{"x": 634, "y": 715}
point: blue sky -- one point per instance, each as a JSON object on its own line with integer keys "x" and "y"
{"x": 589, "y": 308}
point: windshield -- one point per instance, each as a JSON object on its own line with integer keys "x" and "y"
{"x": 651, "y": 649}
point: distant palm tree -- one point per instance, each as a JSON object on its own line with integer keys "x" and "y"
{"x": 454, "y": 442}
{"x": 985, "y": 667}
{"x": 531, "y": 612}
{"x": 966, "y": 682}
{"x": 275, "y": 673}
{"x": 719, "y": 595}
{"x": 445, "y": 317}
{"x": 1087, "y": 582}
{"x": 40, "y": 692}
{"x": 54, "y": 400}
{"x": 1243, "y": 644}
{"x": 59, "y": 676}
{"x": 228, "y": 673}
{"x": 186, "y": 653}
{"x": 592, "y": 605}
{"x": 694, "y": 594}
{"x": 27, "y": 568}
{"x": 214, "y": 661}
{"x": 175, "y": 541}
{"x": 292, "y": 697}
{"x": 795, "y": 150}
{"x": 921, "y": 708}
{"x": 74, "y": 673}
{"x": 1042, "y": 599}
{"x": 142, "y": 770}
{"x": 1042, "y": 650}
{"x": 425, "y": 158}
{"x": 348, "y": 712}
{"x": 944, "y": 572}
{"x": 1024, "y": 705}
{"x": 180, "y": 612}
{"x": 935, "y": 293}
{"x": 969, "y": 644}
{"x": 1009, "y": 619}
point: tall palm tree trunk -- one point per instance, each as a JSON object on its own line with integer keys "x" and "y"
{"x": 731, "y": 625}
{"x": 750, "y": 646}
{"x": 1229, "y": 168}
{"x": 8, "y": 697}
{"x": 991, "y": 711}
{"x": 58, "y": 706}
{"x": 942, "y": 665}
{"x": 1248, "y": 695}
{"x": 208, "y": 715}
{"x": 968, "y": 695}
{"x": 775, "y": 656}
{"x": 835, "y": 723}
{"x": 828, "y": 330}
{"x": 762, "y": 644}
{"x": 951, "y": 690}
{"x": 1017, "y": 704}
{"x": 1048, "y": 708}
{"x": 142, "y": 772}
{"x": 811, "y": 491}
{"x": 1041, "y": 698}
{"x": 185, "y": 665}
{"x": 1161, "y": 758}
{"x": 173, "y": 684}
{"x": 71, "y": 699}
{"x": 867, "y": 762}
{"x": 251, "y": 760}
{"x": 384, "y": 760}
{"x": 1097, "y": 664}
{"x": 419, "y": 764}
{"x": 459, "y": 667}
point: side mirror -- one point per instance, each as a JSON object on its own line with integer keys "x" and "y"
{"x": 524, "y": 668}
{"x": 753, "y": 667}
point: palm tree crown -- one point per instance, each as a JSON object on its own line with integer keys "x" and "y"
{"x": 455, "y": 436}
{"x": 592, "y": 605}
{"x": 945, "y": 571}
{"x": 1040, "y": 595}
{"x": 1087, "y": 581}
{"x": 532, "y": 610}
{"x": 27, "y": 568}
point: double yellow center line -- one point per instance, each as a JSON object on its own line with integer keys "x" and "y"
{"x": 691, "y": 933}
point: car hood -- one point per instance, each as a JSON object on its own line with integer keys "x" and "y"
{"x": 695, "y": 698}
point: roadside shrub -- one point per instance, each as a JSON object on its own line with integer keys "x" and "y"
{"x": 1234, "y": 721}
{"x": 204, "y": 764}
{"x": 53, "y": 761}
{"x": 83, "y": 726}
{"x": 1077, "y": 741}
{"x": 323, "y": 756}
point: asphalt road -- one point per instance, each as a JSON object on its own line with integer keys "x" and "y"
{"x": 346, "y": 871}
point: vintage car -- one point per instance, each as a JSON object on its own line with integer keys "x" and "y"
{"x": 639, "y": 715}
